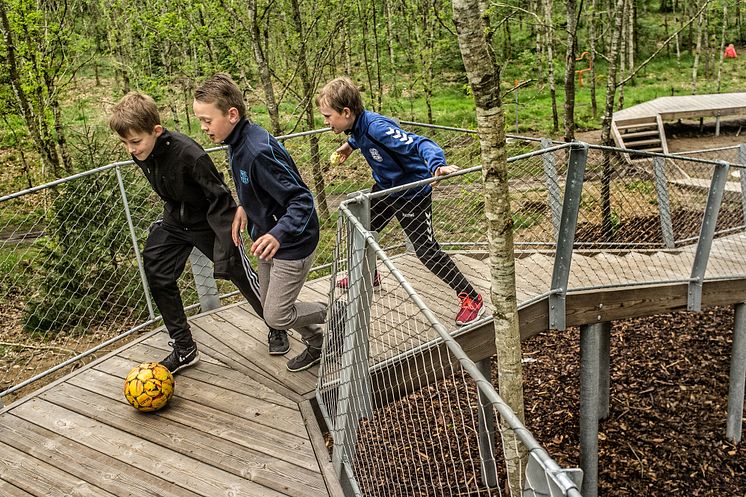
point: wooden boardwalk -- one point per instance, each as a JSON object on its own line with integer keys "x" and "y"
{"x": 241, "y": 424}
{"x": 640, "y": 127}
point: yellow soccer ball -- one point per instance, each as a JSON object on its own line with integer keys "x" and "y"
{"x": 335, "y": 159}
{"x": 149, "y": 386}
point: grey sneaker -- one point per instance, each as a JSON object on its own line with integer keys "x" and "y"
{"x": 309, "y": 357}
{"x": 278, "y": 342}
{"x": 181, "y": 358}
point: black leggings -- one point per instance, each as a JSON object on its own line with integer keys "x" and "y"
{"x": 415, "y": 217}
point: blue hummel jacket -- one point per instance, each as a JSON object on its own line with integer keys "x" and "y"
{"x": 271, "y": 191}
{"x": 396, "y": 157}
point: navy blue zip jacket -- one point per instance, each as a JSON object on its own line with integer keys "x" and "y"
{"x": 194, "y": 195}
{"x": 271, "y": 191}
{"x": 397, "y": 157}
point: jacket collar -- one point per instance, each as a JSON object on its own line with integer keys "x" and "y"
{"x": 357, "y": 124}
{"x": 162, "y": 143}
{"x": 234, "y": 138}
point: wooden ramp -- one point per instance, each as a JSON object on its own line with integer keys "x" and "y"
{"x": 241, "y": 424}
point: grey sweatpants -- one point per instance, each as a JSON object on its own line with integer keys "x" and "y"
{"x": 280, "y": 283}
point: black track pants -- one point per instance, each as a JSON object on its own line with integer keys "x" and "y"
{"x": 166, "y": 252}
{"x": 415, "y": 217}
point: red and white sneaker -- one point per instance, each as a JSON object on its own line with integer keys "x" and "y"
{"x": 345, "y": 282}
{"x": 470, "y": 310}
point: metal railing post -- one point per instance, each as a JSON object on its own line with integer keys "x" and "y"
{"x": 604, "y": 378}
{"x": 664, "y": 202}
{"x": 354, "y": 400}
{"x": 706, "y": 235}
{"x": 737, "y": 376}
{"x": 742, "y": 175}
{"x": 204, "y": 281}
{"x": 566, "y": 237}
{"x": 486, "y": 430}
{"x": 136, "y": 248}
{"x": 551, "y": 181}
{"x": 590, "y": 347}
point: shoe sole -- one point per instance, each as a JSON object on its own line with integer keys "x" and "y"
{"x": 280, "y": 352}
{"x": 479, "y": 314}
{"x": 307, "y": 366}
{"x": 186, "y": 365}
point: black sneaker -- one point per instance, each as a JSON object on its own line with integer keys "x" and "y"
{"x": 180, "y": 358}
{"x": 278, "y": 342}
{"x": 309, "y": 357}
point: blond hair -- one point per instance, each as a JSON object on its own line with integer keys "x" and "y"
{"x": 135, "y": 112}
{"x": 222, "y": 91}
{"x": 340, "y": 93}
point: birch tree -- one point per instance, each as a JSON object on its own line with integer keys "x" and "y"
{"x": 550, "y": 62}
{"x": 572, "y": 42}
{"x": 483, "y": 74}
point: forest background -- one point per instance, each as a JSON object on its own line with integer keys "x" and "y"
{"x": 65, "y": 62}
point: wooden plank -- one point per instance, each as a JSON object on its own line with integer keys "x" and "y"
{"x": 207, "y": 465}
{"x": 81, "y": 462}
{"x": 257, "y": 410}
{"x": 40, "y": 478}
{"x": 292, "y": 448}
{"x": 9, "y": 490}
{"x": 211, "y": 374}
{"x": 319, "y": 447}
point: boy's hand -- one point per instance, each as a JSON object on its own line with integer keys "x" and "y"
{"x": 340, "y": 155}
{"x": 265, "y": 247}
{"x": 239, "y": 225}
{"x": 443, "y": 170}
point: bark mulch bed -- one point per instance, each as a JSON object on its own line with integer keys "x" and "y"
{"x": 665, "y": 434}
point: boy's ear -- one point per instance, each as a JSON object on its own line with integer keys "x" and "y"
{"x": 233, "y": 115}
{"x": 347, "y": 113}
{"x": 158, "y": 130}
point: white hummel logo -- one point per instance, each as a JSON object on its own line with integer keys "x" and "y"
{"x": 400, "y": 135}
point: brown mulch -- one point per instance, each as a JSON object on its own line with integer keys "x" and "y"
{"x": 665, "y": 434}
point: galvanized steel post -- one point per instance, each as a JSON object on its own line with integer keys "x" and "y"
{"x": 737, "y": 376}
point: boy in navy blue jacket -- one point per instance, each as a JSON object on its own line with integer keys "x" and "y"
{"x": 277, "y": 208}
{"x": 397, "y": 158}
{"x": 198, "y": 211}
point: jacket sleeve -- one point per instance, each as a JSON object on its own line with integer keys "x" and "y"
{"x": 220, "y": 211}
{"x": 280, "y": 180}
{"x": 407, "y": 144}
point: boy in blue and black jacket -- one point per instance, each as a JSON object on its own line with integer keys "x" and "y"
{"x": 397, "y": 157}
{"x": 277, "y": 208}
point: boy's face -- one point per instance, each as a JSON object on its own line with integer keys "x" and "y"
{"x": 214, "y": 122}
{"x": 338, "y": 121}
{"x": 140, "y": 144}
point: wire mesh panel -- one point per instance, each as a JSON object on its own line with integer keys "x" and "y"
{"x": 404, "y": 415}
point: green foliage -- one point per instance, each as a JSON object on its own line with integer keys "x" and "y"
{"x": 87, "y": 270}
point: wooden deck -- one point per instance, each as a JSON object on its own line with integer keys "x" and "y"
{"x": 640, "y": 127}
{"x": 241, "y": 424}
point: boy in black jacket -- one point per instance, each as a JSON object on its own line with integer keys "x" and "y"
{"x": 198, "y": 212}
{"x": 276, "y": 206}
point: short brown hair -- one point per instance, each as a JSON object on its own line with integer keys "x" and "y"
{"x": 135, "y": 112}
{"x": 340, "y": 93}
{"x": 221, "y": 90}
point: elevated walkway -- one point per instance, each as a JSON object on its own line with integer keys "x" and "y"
{"x": 640, "y": 127}
{"x": 241, "y": 424}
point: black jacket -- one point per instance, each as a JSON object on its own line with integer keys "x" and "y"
{"x": 272, "y": 192}
{"x": 194, "y": 194}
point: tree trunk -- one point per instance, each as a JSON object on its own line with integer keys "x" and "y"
{"x": 722, "y": 45}
{"x": 697, "y": 52}
{"x": 606, "y": 138}
{"x": 592, "y": 41}
{"x": 263, "y": 66}
{"x": 570, "y": 70}
{"x": 550, "y": 63}
{"x": 308, "y": 90}
{"x": 35, "y": 123}
{"x": 484, "y": 78}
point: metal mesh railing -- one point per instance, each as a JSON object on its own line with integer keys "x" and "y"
{"x": 393, "y": 375}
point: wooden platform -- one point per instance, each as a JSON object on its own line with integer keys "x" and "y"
{"x": 640, "y": 127}
{"x": 241, "y": 424}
